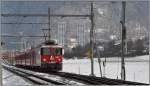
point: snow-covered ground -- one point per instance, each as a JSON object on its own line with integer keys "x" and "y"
{"x": 10, "y": 79}
{"x": 137, "y": 68}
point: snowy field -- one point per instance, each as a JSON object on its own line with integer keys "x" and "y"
{"x": 137, "y": 68}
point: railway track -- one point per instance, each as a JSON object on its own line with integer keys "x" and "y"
{"x": 96, "y": 80}
{"x": 90, "y": 80}
{"x": 34, "y": 79}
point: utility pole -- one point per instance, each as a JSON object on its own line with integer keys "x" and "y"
{"x": 91, "y": 40}
{"x": 123, "y": 47}
{"x": 49, "y": 29}
{"x": 0, "y": 55}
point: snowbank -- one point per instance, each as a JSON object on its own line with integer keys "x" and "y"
{"x": 137, "y": 68}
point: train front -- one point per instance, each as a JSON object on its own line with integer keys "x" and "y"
{"x": 52, "y": 57}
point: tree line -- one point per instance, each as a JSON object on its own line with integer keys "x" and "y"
{"x": 110, "y": 49}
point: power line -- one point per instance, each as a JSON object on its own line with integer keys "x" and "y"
{"x": 24, "y": 23}
{"x": 42, "y": 15}
{"x": 20, "y": 36}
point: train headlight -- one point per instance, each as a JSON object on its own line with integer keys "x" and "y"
{"x": 44, "y": 59}
{"x": 59, "y": 59}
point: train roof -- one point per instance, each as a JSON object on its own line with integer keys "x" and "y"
{"x": 53, "y": 46}
{"x": 49, "y": 42}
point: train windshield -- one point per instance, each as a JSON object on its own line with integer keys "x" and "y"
{"x": 58, "y": 51}
{"x": 51, "y": 51}
{"x": 45, "y": 51}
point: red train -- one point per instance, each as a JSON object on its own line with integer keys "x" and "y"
{"x": 47, "y": 55}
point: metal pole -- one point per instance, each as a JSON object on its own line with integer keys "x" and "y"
{"x": 49, "y": 24}
{"x": 0, "y": 56}
{"x": 91, "y": 41}
{"x": 123, "y": 76}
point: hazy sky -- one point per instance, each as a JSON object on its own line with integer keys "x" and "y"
{"x": 135, "y": 12}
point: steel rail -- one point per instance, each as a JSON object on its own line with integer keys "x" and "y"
{"x": 74, "y": 78}
{"x": 67, "y": 76}
{"x": 122, "y": 81}
{"x": 26, "y": 75}
{"x": 103, "y": 80}
{"x": 46, "y": 79}
{"x": 82, "y": 79}
{"x": 89, "y": 80}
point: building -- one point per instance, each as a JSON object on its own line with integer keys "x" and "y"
{"x": 72, "y": 32}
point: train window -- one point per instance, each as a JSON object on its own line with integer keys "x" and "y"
{"x": 45, "y": 51}
{"x": 49, "y": 51}
{"x": 58, "y": 51}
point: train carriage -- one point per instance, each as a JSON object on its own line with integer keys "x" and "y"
{"x": 48, "y": 56}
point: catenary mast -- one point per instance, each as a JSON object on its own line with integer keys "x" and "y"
{"x": 123, "y": 47}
